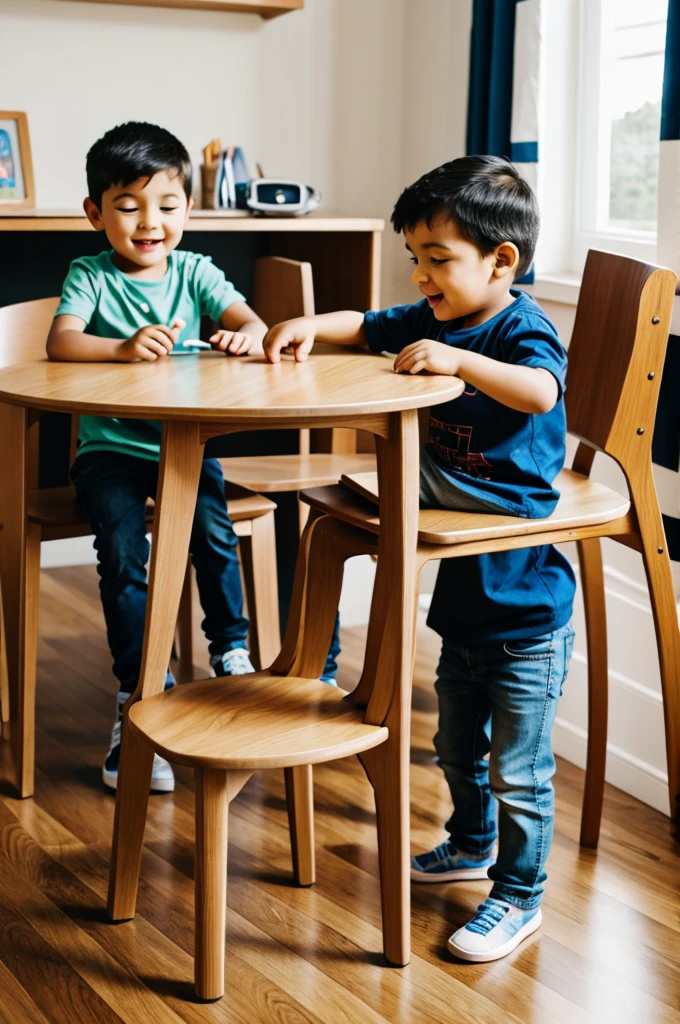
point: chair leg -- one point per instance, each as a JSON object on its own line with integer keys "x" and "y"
{"x": 592, "y": 582}
{"x": 387, "y": 769}
{"x": 662, "y": 597}
{"x": 258, "y": 558}
{"x": 4, "y": 675}
{"x": 132, "y": 798}
{"x": 185, "y": 630}
{"x": 212, "y": 811}
{"x": 28, "y": 661}
{"x": 300, "y": 801}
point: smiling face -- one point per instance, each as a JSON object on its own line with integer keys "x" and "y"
{"x": 143, "y": 222}
{"x": 456, "y": 279}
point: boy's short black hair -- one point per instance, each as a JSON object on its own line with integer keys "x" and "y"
{"x": 485, "y": 196}
{"x": 131, "y": 151}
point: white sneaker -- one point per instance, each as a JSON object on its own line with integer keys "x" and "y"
{"x": 162, "y": 776}
{"x": 496, "y": 929}
{"x": 232, "y": 663}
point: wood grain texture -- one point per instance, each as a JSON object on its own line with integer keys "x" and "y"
{"x": 607, "y": 952}
{"x": 582, "y": 502}
{"x": 213, "y": 387}
{"x": 275, "y": 473}
{"x": 253, "y": 722}
{"x": 265, "y": 8}
{"x": 592, "y": 586}
{"x": 212, "y": 812}
{"x": 201, "y": 220}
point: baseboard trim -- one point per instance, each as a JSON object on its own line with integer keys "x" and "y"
{"x": 624, "y": 770}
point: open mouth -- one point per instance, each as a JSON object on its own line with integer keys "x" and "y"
{"x": 434, "y": 300}
{"x": 147, "y": 244}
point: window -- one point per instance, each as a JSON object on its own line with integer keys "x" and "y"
{"x": 621, "y": 57}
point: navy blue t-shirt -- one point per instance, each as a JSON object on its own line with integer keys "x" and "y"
{"x": 509, "y": 459}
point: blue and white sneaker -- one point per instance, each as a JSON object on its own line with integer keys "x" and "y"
{"x": 328, "y": 680}
{"x": 232, "y": 663}
{"x": 162, "y": 776}
{"x": 496, "y": 929}
{"x": 448, "y": 864}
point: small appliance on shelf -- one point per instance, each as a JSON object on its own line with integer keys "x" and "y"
{"x": 228, "y": 185}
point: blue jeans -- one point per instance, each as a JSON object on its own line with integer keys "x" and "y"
{"x": 501, "y": 700}
{"x": 113, "y": 489}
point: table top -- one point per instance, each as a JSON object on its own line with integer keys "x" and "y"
{"x": 211, "y": 387}
{"x": 200, "y": 220}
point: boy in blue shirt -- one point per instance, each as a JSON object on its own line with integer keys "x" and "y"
{"x": 137, "y": 301}
{"x": 471, "y": 228}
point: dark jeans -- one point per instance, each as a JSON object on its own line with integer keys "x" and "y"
{"x": 113, "y": 489}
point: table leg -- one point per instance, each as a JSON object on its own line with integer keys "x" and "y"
{"x": 387, "y": 766}
{"x": 180, "y": 469}
{"x": 13, "y": 470}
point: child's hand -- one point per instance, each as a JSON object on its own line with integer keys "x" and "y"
{"x": 150, "y": 342}
{"x": 433, "y": 356}
{"x": 296, "y": 336}
{"x": 232, "y": 343}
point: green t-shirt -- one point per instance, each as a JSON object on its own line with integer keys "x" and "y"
{"x": 114, "y": 305}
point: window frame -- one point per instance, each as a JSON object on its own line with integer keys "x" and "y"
{"x": 592, "y": 179}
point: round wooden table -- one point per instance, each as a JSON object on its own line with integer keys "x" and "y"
{"x": 197, "y": 397}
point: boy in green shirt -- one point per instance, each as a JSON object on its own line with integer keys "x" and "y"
{"x": 137, "y": 302}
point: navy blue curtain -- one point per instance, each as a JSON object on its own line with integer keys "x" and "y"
{"x": 666, "y": 445}
{"x": 491, "y": 74}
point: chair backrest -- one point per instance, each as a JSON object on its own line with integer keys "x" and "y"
{"x": 617, "y": 353}
{"x": 282, "y": 289}
{"x": 24, "y": 327}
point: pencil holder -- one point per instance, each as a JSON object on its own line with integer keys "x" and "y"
{"x": 208, "y": 179}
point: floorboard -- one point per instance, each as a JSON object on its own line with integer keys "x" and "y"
{"x": 608, "y": 951}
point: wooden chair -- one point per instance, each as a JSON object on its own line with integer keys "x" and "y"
{"x": 616, "y": 359}
{"x": 282, "y": 289}
{"x": 263, "y": 721}
{"x": 54, "y": 514}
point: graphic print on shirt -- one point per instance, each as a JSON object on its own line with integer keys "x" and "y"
{"x": 453, "y": 444}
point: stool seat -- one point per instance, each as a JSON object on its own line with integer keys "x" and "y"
{"x": 582, "y": 503}
{"x": 254, "y": 721}
{"x": 272, "y": 473}
{"x": 58, "y": 507}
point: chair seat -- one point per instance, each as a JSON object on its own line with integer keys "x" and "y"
{"x": 58, "y": 507}
{"x": 272, "y": 473}
{"x": 582, "y": 503}
{"x": 254, "y": 721}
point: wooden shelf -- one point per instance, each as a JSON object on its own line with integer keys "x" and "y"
{"x": 265, "y": 8}
{"x": 200, "y": 220}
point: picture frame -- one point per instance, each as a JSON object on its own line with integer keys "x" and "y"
{"x": 17, "y": 188}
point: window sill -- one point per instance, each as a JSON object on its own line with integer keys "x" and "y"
{"x": 565, "y": 288}
{"x": 562, "y": 288}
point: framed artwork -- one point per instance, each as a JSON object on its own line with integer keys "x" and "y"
{"x": 16, "y": 167}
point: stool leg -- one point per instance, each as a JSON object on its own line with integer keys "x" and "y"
{"x": 258, "y": 558}
{"x": 185, "y": 627}
{"x": 212, "y": 811}
{"x": 592, "y": 584}
{"x": 132, "y": 798}
{"x": 376, "y": 625}
{"x": 300, "y": 801}
{"x": 4, "y": 676}
{"x": 387, "y": 769}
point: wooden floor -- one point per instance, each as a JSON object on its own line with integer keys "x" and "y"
{"x": 609, "y": 948}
